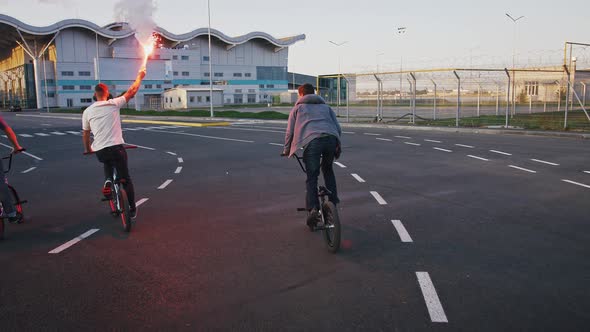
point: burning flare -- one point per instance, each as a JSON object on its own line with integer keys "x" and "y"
{"x": 148, "y": 48}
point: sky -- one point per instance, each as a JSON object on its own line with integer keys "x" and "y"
{"x": 439, "y": 34}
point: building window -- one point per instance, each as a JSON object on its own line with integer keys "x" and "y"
{"x": 251, "y": 90}
{"x": 84, "y": 73}
{"x": 184, "y": 57}
{"x": 68, "y": 87}
{"x": 270, "y": 86}
{"x": 248, "y": 74}
{"x": 175, "y": 73}
{"x": 207, "y": 74}
{"x": 86, "y": 100}
{"x": 85, "y": 87}
{"x": 200, "y": 99}
{"x": 238, "y": 99}
{"x": 148, "y": 86}
{"x": 158, "y": 86}
{"x": 166, "y": 99}
{"x": 192, "y": 99}
{"x": 51, "y": 95}
{"x": 237, "y": 74}
{"x": 261, "y": 86}
{"x": 208, "y": 99}
{"x": 218, "y": 74}
{"x": 179, "y": 99}
{"x": 251, "y": 99}
{"x": 238, "y": 90}
{"x": 532, "y": 88}
{"x": 205, "y": 58}
{"x": 175, "y": 57}
{"x": 185, "y": 73}
{"x": 67, "y": 73}
{"x": 167, "y": 82}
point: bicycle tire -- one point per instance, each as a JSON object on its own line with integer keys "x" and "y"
{"x": 17, "y": 205}
{"x": 125, "y": 213}
{"x": 332, "y": 235}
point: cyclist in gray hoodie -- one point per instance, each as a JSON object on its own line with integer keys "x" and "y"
{"x": 313, "y": 126}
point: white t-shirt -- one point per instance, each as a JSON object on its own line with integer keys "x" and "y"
{"x": 104, "y": 120}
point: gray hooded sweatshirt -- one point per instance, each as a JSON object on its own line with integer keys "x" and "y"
{"x": 309, "y": 119}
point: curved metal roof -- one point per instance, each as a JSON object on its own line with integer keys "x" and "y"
{"x": 124, "y": 31}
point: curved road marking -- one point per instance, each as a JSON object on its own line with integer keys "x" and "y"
{"x": 165, "y": 184}
{"x": 141, "y": 202}
{"x": 358, "y": 178}
{"x": 401, "y": 231}
{"x": 74, "y": 241}
{"x": 435, "y": 309}
{"x": 178, "y": 170}
{"x": 180, "y": 160}
{"x": 522, "y": 169}
{"x": 340, "y": 164}
{"x": 29, "y": 170}
{"x": 378, "y": 198}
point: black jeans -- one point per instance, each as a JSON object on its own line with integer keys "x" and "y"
{"x": 116, "y": 156}
{"x": 319, "y": 153}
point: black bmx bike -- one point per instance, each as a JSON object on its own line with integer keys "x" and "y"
{"x": 329, "y": 222}
{"x": 16, "y": 201}
{"x": 117, "y": 197}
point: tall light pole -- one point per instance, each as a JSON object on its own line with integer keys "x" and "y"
{"x": 339, "y": 73}
{"x": 400, "y": 32}
{"x": 515, "y": 21}
{"x": 210, "y": 61}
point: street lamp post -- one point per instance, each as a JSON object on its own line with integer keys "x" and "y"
{"x": 339, "y": 74}
{"x": 401, "y": 31}
{"x": 210, "y": 60}
{"x": 515, "y": 21}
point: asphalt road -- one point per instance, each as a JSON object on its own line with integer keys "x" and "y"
{"x": 442, "y": 232}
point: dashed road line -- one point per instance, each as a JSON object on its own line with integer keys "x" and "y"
{"x": 24, "y": 152}
{"x": 371, "y": 134}
{"x": 443, "y": 150}
{"x": 358, "y": 178}
{"x": 276, "y": 144}
{"x": 42, "y": 134}
{"x": 171, "y": 153}
{"x": 73, "y": 242}
{"x": 577, "y": 183}
{"x": 522, "y": 169}
{"x": 29, "y": 170}
{"x": 384, "y": 139}
{"x": 501, "y": 152}
{"x": 401, "y": 231}
{"x": 141, "y": 202}
{"x": 544, "y": 162}
{"x": 587, "y": 172}
{"x": 478, "y": 158}
{"x": 202, "y": 136}
{"x": 341, "y": 165}
{"x": 180, "y": 160}
{"x": 349, "y": 132}
{"x": 403, "y": 137}
{"x": 435, "y": 309}
{"x": 178, "y": 170}
{"x": 378, "y": 198}
{"x": 58, "y": 133}
{"x": 165, "y": 184}
{"x": 25, "y": 135}
{"x": 432, "y": 141}
{"x": 410, "y": 143}
{"x": 465, "y": 146}
{"x": 74, "y": 132}
{"x": 143, "y": 147}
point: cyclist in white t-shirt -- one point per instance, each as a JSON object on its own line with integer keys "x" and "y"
{"x": 103, "y": 119}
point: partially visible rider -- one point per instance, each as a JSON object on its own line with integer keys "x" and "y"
{"x": 313, "y": 126}
{"x": 5, "y": 196}
{"x": 103, "y": 119}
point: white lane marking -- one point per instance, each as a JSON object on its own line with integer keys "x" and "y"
{"x": 180, "y": 160}
{"x": 202, "y": 136}
{"x": 142, "y": 147}
{"x": 371, "y": 134}
{"x": 25, "y": 135}
{"x": 384, "y": 139}
{"x": 501, "y": 152}
{"x": 178, "y": 170}
{"x": 165, "y": 184}
{"x": 73, "y": 132}
{"x": 276, "y": 144}
{"x": 349, "y": 132}
{"x": 577, "y": 183}
{"x": 72, "y": 242}
{"x": 522, "y": 169}
{"x": 465, "y": 146}
{"x": 141, "y": 202}
{"x": 249, "y": 129}
{"x": 401, "y": 230}
{"x": 358, "y": 178}
{"x": 443, "y": 150}
{"x": 58, "y": 133}
{"x": 24, "y": 152}
{"x": 410, "y": 143}
{"x": 4, "y": 136}
{"x": 587, "y": 172}
{"x": 340, "y": 164}
{"x": 432, "y": 141}
{"x": 476, "y": 157}
{"x": 378, "y": 198}
{"x": 404, "y": 137}
{"x": 29, "y": 170}
{"x": 171, "y": 153}
{"x": 435, "y": 309}
{"x": 46, "y": 124}
{"x": 42, "y": 134}
{"x": 544, "y": 162}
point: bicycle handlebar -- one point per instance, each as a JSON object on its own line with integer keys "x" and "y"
{"x": 9, "y": 157}
{"x": 126, "y": 147}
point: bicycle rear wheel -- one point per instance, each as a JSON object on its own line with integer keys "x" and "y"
{"x": 332, "y": 231}
{"x": 17, "y": 204}
{"x": 125, "y": 213}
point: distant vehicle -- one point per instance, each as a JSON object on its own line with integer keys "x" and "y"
{"x": 15, "y": 108}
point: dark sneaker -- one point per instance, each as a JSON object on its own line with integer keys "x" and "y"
{"x": 107, "y": 189}
{"x": 313, "y": 218}
{"x": 133, "y": 213}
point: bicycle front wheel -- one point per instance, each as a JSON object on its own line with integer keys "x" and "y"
{"x": 125, "y": 213}
{"x": 17, "y": 204}
{"x": 332, "y": 231}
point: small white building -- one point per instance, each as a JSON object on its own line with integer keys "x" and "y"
{"x": 190, "y": 97}
{"x": 289, "y": 97}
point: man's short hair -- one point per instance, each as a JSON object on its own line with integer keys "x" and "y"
{"x": 306, "y": 89}
{"x": 101, "y": 89}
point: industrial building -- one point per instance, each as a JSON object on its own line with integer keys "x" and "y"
{"x": 58, "y": 65}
